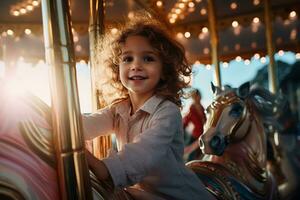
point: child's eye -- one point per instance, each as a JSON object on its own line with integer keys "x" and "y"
{"x": 127, "y": 59}
{"x": 148, "y": 58}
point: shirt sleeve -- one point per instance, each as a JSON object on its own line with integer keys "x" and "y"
{"x": 99, "y": 123}
{"x": 136, "y": 160}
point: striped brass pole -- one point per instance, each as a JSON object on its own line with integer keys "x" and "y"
{"x": 67, "y": 126}
{"x": 96, "y": 31}
{"x": 272, "y": 72}
{"x": 214, "y": 40}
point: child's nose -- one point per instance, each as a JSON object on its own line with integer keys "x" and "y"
{"x": 136, "y": 65}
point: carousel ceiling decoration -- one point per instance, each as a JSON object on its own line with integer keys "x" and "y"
{"x": 240, "y": 26}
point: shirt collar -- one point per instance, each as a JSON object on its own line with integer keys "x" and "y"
{"x": 149, "y": 106}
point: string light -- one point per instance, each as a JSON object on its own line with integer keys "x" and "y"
{"x": 263, "y": 60}
{"x": 10, "y": 32}
{"x": 159, "y": 3}
{"x": 225, "y": 64}
{"x": 206, "y": 50}
{"x": 233, "y": 6}
{"x": 247, "y": 62}
{"x": 197, "y": 62}
{"x": 297, "y": 56}
{"x": 204, "y": 30}
{"x": 24, "y": 7}
{"x": 187, "y": 34}
{"x": 255, "y": 20}
{"x": 293, "y": 14}
{"x": 256, "y": 2}
{"x": 179, "y": 35}
{"x": 203, "y": 11}
{"x": 27, "y": 31}
{"x": 235, "y": 24}
{"x": 256, "y": 56}
{"x": 114, "y": 31}
{"x": 208, "y": 66}
{"x": 238, "y": 59}
{"x": 280, "y": 52}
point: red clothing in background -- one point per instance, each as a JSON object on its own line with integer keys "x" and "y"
{"x": 197, "y": 117}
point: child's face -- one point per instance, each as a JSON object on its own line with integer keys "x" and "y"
{"x": 140, "y": 67}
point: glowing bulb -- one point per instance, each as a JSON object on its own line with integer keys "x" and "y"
{"x": 235, "y": 24}
{"x": 75, "y": 38}
{"x": 179, "y": 35}
{"x": 204, "y": 29}
{"x": 280, "y": 52}
{"x": 159, "y": 3}
{"x": 10, "y": 32}
{"x": 238, "y": 59}
{"x": 177, "y": 11}
{"x": 225, "y": 64}
{"x": 35, "y": 3}
{"x": 247, "y": 62}
{"x": 114, "y": 31}
{"x": 191, "y": 4}
{"x": 27, "y": 31}
{"x": 263, "y": 60}
{"x": 29, "y": 7}
{"x": 256, "y": 56}
{"x": 23, "y": 10}
{"x": 181, "y": 5}
{"x": 130, "y": 15}
{"x": 206, "y": 50}
{"x": 255, "y": 20}
{"x": 172, "y": 20}
{"x": 187, "y": 34}
{"x": 293, "y": 14}
{"x": 203, "y": 11}
{"x": 233, "y": 5}
{"x": 256, "y": 2}
{"x": 16, "y": 13}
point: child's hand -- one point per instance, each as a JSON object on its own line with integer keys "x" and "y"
{"x": 97, "y": 166}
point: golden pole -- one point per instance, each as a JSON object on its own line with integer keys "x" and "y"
{"x": 270, "y": 48}
{"x": 96, "y": 31}
{"x": 67, "y": 126}
{"x": 214, "y": 40}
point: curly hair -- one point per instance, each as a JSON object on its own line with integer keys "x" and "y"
{"x": 171, "y": 53}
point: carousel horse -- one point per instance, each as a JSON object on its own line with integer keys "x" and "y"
{"x": 27, "y": 156}
{"x": 234, "y": 142}
{"x": 284, "y": 159}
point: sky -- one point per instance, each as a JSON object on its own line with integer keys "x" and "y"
{"x": 234, "y": 74}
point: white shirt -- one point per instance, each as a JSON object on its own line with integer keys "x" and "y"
{"x": 150, "y": 148}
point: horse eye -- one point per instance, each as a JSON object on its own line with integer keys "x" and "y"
{"x": 236, "y": 110}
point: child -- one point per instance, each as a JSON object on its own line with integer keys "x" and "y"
{"x": 147, "y": 67}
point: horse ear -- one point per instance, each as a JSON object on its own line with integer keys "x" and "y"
{"x": 243, "y": 90}
{"x": 215, "y": 89}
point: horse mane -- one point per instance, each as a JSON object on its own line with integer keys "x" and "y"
{"x": 268, "y": 105}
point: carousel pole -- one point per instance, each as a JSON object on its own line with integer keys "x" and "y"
{"x": 270, "y": 48}
{"x": 214, "y": 41}
{"x": 96, "y": 31}
{"x": 66, "y": 118}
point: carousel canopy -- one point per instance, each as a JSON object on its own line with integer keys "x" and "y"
{"x": 240, "y": 26}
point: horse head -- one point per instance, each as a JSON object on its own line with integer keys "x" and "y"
{"x": 229, "y": 119}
